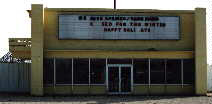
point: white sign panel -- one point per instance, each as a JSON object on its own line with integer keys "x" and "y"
{"x": 118, "y": 27}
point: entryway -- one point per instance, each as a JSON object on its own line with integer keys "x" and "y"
{"x": 119, "y": 78}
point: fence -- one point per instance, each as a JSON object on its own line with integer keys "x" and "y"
{"x": 15, "y": 77}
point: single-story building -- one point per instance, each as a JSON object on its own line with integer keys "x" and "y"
{"x": 116, "y": 51}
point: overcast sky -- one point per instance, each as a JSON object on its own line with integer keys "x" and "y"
{"x": 15, "y": 22}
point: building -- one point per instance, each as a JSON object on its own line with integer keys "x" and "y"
{"x": 122, "y": 51}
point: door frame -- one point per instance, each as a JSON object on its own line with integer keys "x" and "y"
{"x": 119, "y": 66}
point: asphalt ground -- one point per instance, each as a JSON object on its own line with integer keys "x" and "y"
{"x": 26, "y": 99}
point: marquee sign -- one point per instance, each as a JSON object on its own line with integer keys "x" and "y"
{"x": 118, "y": 27}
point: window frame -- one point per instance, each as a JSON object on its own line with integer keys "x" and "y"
{"x": 150, "y": 81}
{"x": 193, "y": 72}
{"x": 180, "y": 82}
{"x": 53, "y": 82}
{"x": 69, "y": 69}
{"x": 104, "y": 72}
{"x": 133, "y": 63}
{"x": 106, "y": 63}
{"x": 88, "y": 72}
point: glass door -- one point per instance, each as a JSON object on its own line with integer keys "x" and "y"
{"x": 126, "y": 79}
{"x": 119, "y": 78}
{"x": 113, "y": 79}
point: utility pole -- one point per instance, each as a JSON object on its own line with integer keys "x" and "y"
{"x": 114, "y": 4}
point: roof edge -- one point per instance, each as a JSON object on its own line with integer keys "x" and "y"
{"x": 117, "y": 10}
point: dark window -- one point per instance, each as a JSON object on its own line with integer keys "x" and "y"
{"x": 157, "y": 71}
{"x": 63, "y": 71}
{"x": 81, "y": 71}
{"x": 48, "y": 71}
{"x": 173, "y": 71}
{"x": 97, "y": 71}
{"x": 119, "y": 61}
{"x": 141, "y": 71}
{"x": 188, "y": 71}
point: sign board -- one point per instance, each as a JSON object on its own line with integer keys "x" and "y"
{"x": 118, "y": 27}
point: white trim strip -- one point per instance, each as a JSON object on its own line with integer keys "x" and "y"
{"x": 119, "y": 65}
{"x": 107, "y": 90}
{"x": 165, "y": 70}
{"x": 132, "y": 75}
{"x": 104, "y": 84}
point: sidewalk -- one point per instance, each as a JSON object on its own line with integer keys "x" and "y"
{"x": 20, "y": 99}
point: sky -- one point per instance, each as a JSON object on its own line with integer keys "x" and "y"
{"x": 15, "y": 21}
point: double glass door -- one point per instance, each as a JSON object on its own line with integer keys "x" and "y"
{"x": 119, "y": 78}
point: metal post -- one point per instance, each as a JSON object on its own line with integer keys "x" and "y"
{"x": 89, "y": 75}
{"x": 182, "y": 72}
{"x": 107, "y": 76}
{"x": 149, "y": 73}
{"x": 132, "y": 80}
{"x": 119, "y": 79}
{"x": 72, "y": 75}
{"x": 165, "y": 71}
{"x": 149, "y": 76}
{"x": 165, "y": 75}
{"x": 54, "y": 72}
{"x": 114, "y": 4}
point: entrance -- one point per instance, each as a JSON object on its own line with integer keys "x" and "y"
{"x": 119, "y": 78}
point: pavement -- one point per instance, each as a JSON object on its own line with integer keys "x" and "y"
{"x": 26, "y": 99}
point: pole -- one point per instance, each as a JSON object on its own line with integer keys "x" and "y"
{"x": 114, "y": 4}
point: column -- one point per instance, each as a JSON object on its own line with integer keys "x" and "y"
{"x": 37, "y": 50}
{"x": 200, "y": 52}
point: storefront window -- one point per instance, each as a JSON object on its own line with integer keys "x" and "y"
{"x": 81, "y": 71}
{"x": 63, "y": 71}
{"x": 157, "y": 71}
{"x": 48, "y": 71}
{"x": 97, "y": 71}
{"x": 188, "y": 71}
{"x": 173, "y": 71}
{"x": 141, "y": 71}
